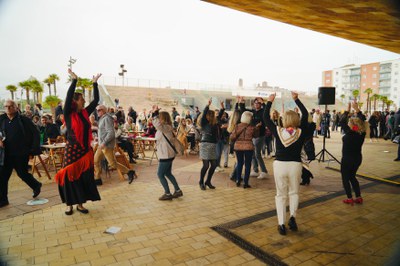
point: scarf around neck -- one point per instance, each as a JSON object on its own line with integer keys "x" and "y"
{"x": 288, "y": 136}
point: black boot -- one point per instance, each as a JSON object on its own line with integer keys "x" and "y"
{"x": 292, "y": 224}
{"x": 282, "y": 229}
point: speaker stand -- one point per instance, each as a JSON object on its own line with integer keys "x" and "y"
{"x": 322, "y": 152}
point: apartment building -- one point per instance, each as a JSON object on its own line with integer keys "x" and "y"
{"x": 382, "y": 77}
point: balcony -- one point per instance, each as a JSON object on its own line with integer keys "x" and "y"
{"x": 385, "y": 70}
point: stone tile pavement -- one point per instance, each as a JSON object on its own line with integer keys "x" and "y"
{"x": 226, "y": 226}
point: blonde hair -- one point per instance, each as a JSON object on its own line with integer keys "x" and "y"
{"x": 356, "y": 121}
{"x": 165, "y": 118}
{"x": 233, "y": 121}
{"x": 273, "y": 114}
{"x": 290, "y": 119}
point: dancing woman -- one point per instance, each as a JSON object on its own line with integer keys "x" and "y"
{"x": 75, "y": 180}
{"x": 208, "y": 146}
{"x": 353, "y": 139}
{"x": 287, "y": 164}
{"x": 165, "y": 153}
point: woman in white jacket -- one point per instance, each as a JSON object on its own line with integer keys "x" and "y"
{"x": 165, "y": 153}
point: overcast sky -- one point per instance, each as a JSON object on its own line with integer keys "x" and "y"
{"x": 178, "y": 40}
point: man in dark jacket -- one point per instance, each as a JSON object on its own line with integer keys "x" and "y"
{"x": 258, "y": 120}
{"x": 20, "y": 138}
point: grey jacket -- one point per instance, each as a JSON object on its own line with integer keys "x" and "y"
{"x": 106, "y": 131}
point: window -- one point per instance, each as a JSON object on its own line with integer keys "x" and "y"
{"x": 365, "y": 76}
{"x": 373, "y": 83}
{"x": 374, "y": 68}
{"x": 364, "y": 84}
{"x": 395, "y": 81}
{"x": 374, "y": 76}
{"x": 396, "y": 73}
{"x": 364, "y": 70}
{"x": 395, "y": 89}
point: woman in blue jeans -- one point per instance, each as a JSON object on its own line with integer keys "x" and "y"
{"x": 165, "y": 153}
{"x": 243, "y": 135}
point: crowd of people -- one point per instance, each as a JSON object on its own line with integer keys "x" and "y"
{"x": 249, "y": 135}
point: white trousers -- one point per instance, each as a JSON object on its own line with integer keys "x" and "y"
{"x": 287, "y": 181}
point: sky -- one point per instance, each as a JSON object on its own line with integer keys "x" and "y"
{"x": 177, "y": 40}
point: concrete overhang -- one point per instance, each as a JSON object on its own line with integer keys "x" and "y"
{"x": 371, "y": 22}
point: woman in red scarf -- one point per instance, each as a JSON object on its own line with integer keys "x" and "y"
{"x": 76, "y": 179}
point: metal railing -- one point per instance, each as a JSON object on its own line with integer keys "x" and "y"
{"x": 179, "y": 85}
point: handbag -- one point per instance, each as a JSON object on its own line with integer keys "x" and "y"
{"x": 176, "y": 145}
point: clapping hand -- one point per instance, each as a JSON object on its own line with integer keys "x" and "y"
{"x": 271, "y": 97}
{"x": 72, "y": 74}
{"x": 354, "y": 104}
{"x": 222, "y": 105}
{"x": 295, "y": 95}
{"x": 209, "y": 101}
{"x": 96, "y": 78}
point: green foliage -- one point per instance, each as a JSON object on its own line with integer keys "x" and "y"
{"x": 11, "y": 89}
{"x": 52, "y": 100}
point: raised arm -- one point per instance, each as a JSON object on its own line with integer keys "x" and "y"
{"x": 70, "y": 93}
{"x": 267, "y": 117}
{"x": 204, "y": 121}
{"x": 344, "y": 120}
{"x": 303, "y": 110}
{"x": 92, "y": 106}
{"x": 358, "y": 112}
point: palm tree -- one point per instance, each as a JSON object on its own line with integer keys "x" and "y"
{"x": 375, "y": 97}
{"x": 368, "y": 92}
{"x": 26, "y": 85}
{"x": 356, "y": 93}
{"x": 54, "y": 78}
{"x": 36, "y": 88}
{"x": 342, "y": 96}
{"x": 12, "y": 89}
{"x": 52, "y": 101}
{"x": 48, "y": 81}
{"x": 389, "y": 103}
{"x": 384, "y": 99}
{"x": 85, "y": 84}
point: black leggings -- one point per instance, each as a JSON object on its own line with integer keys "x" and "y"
{"x": 212, "y": 164}
{"x": 348, "y": 168}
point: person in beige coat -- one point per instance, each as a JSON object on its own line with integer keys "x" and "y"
{"x": 165, "y": 153}
{"x": 243, "y": 135}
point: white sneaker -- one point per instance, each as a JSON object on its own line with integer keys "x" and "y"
{"x": 254, "y": 174}
{"x": 232, "y": 155}
{"x": 263, "y": 175}
{"x": 219, "y": 169}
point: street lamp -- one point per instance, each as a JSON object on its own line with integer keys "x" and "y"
{"x": 122, "y": 73}
{"x": 71, "y": 61}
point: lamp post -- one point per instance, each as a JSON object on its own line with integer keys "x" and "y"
{"x": 71, "y": 61}
{"x": 122, "y": 73}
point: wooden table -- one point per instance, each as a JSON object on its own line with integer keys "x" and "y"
{"x": 141, "y": 142}
{"x": 51, "y": 149}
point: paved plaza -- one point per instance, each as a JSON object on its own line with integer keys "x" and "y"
{"x": 225, "y": 226}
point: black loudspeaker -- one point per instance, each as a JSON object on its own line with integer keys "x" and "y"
{"x": 326, "y": 95}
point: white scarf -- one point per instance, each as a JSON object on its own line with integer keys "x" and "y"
{"x": 287, "y": 136}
